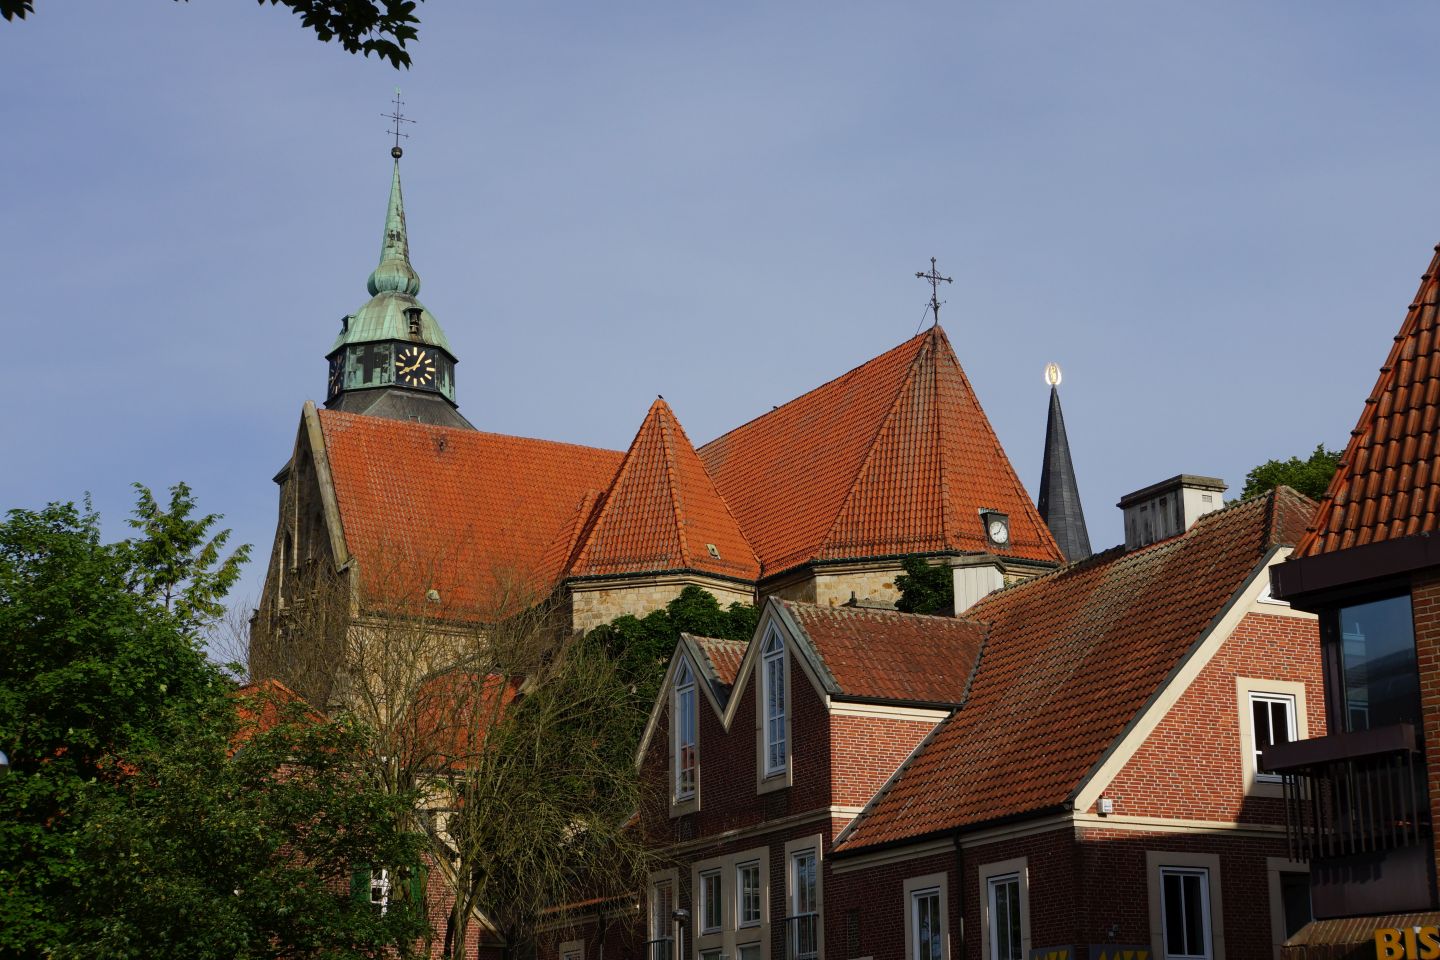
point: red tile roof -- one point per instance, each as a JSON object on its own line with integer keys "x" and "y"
{"x": 663, "y": 512}
{"x": 469, "y": 514}
{"x": 1388, "y": 484}
{"x": 894, "y": 457}
{"x": 1070, "y": 659}
{"x": 886, "y": 655}
{"x": 724, "y": 657}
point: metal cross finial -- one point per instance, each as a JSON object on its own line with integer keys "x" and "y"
{"x": 935, "y": 280}
{"x": 398, "y": 119}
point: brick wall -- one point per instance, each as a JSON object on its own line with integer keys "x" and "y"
{"x": 1191, "y": 766}
{"x": 1113, "y": 886}
{"x": 867, "y": 750}
{"x": 1052, "y": 867}
{"x": 1425, "y": 609}
{"x": 877, "y": 897}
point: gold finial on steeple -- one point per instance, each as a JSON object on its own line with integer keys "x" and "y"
{"x": 1052, "y": 374}
{"x": 398, "y": 118}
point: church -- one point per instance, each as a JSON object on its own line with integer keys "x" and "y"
{"x": 390, "y": 488}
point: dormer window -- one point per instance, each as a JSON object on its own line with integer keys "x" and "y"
{"x": 413, "y": 315}
{"x": 684, "y": 760}
{"x": 772, "y": 684}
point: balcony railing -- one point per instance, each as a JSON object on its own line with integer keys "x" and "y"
{"x": 662, "y": 949}
{"x": 1353, "y": 793}
{"x": 802, "y": 936}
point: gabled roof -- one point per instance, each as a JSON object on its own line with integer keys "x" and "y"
{"x": 472, "y": 515}
{"x": 1388, "y": 483}
{"x": 723, "y": 656}
{"x": 1071, "y": 659}
{"x": 663, "y": 512}
{"x": 885, "y": 655}
{"x": 895, "y": 457}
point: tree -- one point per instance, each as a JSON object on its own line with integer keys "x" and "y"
{"x": 126, "y": 823}
{"x": 641, "y": 646}
{"x": 513, "y": 736}
{"x": 925, "y": 587}
{"x": 1310, "y": 476}
{"x": 381, "y": 27}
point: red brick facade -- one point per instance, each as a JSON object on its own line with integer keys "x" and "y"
{"x": 1183, "y": 799}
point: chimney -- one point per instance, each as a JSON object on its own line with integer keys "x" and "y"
{"x": 1168, "y": 508}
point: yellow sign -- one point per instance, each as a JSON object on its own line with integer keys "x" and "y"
{"x": 1411, "y": 943}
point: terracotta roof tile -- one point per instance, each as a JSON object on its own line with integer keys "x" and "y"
{"x": 467, "y": 513}
{"x": 724, "y": 657}
{"x": 1070, "y": 658}
{"x": 1388, "y": 484}
{"x": 886, "y": 655}
{"x": 894, "y": 457}
{"x": 663, "y": 512}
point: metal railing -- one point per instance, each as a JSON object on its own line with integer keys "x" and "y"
{"x": 802, "y": 936}
{"x": 1353, "y": 793}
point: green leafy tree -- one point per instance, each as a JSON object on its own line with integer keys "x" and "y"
{"x": 1310, "y": 476}
{"x": 123, "y": 814}
{"x": 176, "y": 562}
{"x": 642, "y": 646}
{"x": 381, "y": 27}
{"x": 925, "y": 587}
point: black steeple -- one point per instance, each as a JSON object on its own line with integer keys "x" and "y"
{"x": 1059, "y": 493}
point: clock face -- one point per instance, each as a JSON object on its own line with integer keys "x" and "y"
{"x": 999, "y": 531}
{"x": 337, "y": 374}
{"x": 415, "y": 367}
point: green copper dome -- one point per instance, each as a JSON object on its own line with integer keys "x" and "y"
{"x": 393, "y": 313}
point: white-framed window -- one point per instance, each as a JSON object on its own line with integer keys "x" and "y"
{"x": 380, "y": 889}
{"x": 1268, "y": 711}
{"x": 804, "y": 920}
{"x": 1185, "y": 913}
{"x": 683, "y": 759}
{"x": 1002, "y": 897}
{"x": 747, "y": 894}
{"x": 712, "y": 902}
{"x": 661, "y": 945}
{"x": 716, "y": 954}
{"x": 572, "y": 950}
{"x": 1272, "y": 721}
{"x": 926, "y": 939}
{"x": 773, "y": 692}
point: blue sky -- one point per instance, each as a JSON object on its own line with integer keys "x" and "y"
{"x": 1211, "y": 215}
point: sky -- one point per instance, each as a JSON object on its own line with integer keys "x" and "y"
{"x": 1212, "y": 216}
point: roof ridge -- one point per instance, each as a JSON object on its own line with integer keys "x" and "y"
{"x": 881, "y": 430}
{"x": 1018, "y": 488}
{"x": 659, "y": 408}
{"x": 603, "y": 508}
{"x": 328, "y": 414}
{"x": 1315, "y": 533}
{"x": 815, "y": 389}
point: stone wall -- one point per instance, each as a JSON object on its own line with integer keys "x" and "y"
{"x": 596, "y": 602}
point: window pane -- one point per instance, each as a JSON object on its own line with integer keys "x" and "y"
{"x": 1174, "y": 919}
{"x": 749, "y": 898}
{"x": 1295, "y": 899}
{"x": 712, "y": 912}
{"x": 925, "y": 906}
{"x": 1005, "y": 943}
{"x": 1377, "y": 656}
{"x": 749, "y": 951}
{"x": 1194, "y": 920}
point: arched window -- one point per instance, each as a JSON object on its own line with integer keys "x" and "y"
{"x": 773, "y": 690}
{"x": 684, "y": 759}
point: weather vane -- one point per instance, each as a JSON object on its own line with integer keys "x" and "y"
{"x": 398, "y": 119}
{"x": 935, "y": 280}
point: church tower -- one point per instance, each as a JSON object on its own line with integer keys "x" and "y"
{"x": 391, "y": 358}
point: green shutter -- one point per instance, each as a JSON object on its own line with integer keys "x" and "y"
{"x": 360, "y": 884}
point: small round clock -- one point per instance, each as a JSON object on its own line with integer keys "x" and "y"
{"x": 415, "y": 367}
{"x": 999, "y": 531}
